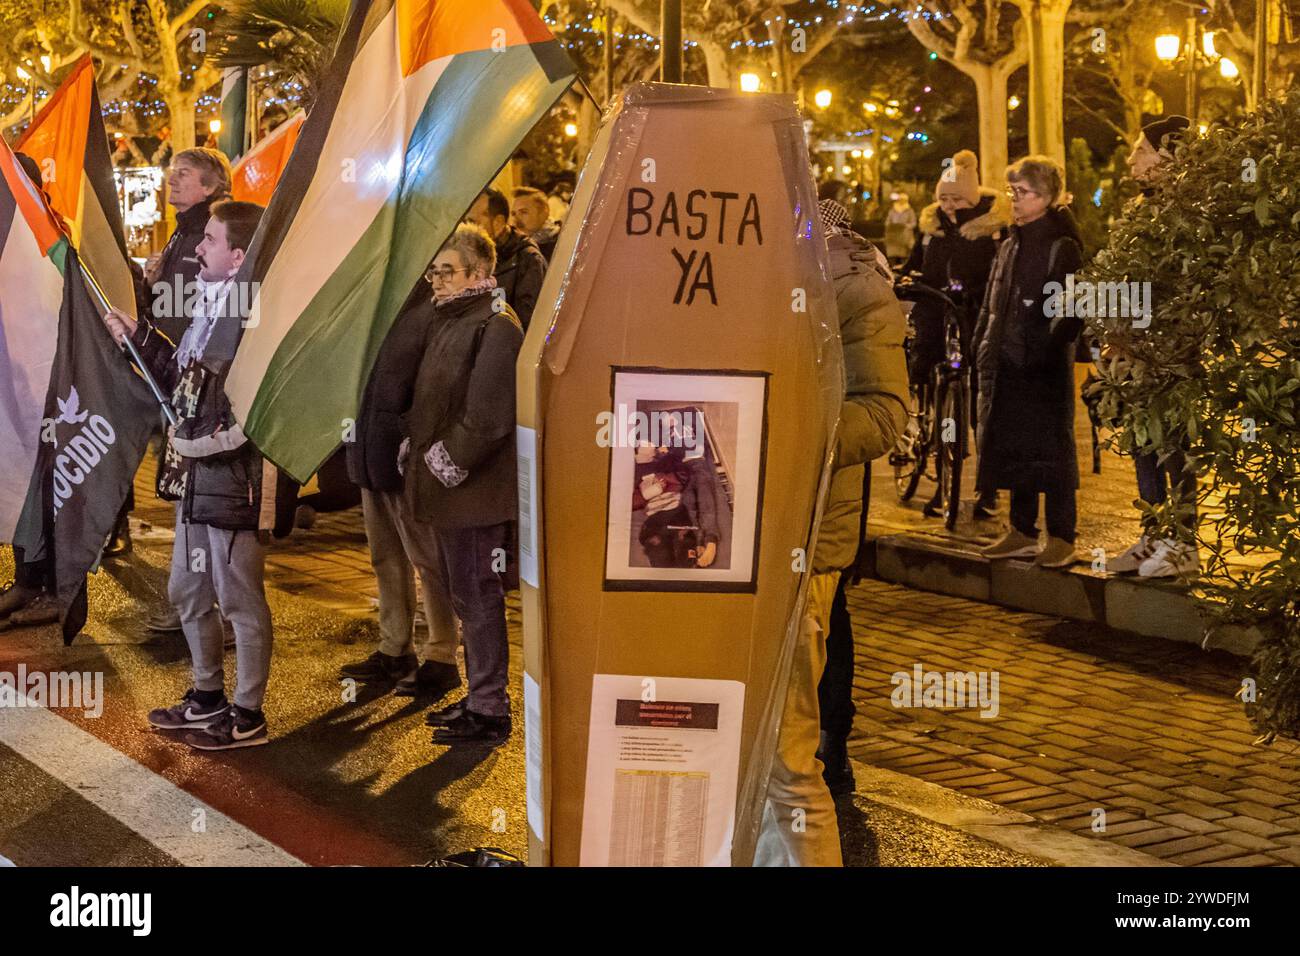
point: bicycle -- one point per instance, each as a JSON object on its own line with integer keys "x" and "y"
{"x": 939, "y": 418}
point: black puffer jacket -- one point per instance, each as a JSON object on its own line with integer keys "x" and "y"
{"x": 521, "y": 267}
{"x": 1025, "y": 362}
{"x": 372, "y": 454}
{"x": 954, "y": 255}
{"x": 219, "y": 477}
{"x": 179, "y": 267}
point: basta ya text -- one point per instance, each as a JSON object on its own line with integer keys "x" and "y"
{"x": 704, "y": 216}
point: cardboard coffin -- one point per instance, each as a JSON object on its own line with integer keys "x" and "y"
{"x": 678, "y": 392}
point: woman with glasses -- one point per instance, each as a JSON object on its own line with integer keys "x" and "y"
{"x": 459, "y": 465}
{"x": 1024, "y": 362}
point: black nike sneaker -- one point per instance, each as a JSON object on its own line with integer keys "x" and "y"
{"x": 236, "y": 728}
{"x": 190, "y": 714}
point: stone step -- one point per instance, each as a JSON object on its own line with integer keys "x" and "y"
{"x": 1152, "y": 608}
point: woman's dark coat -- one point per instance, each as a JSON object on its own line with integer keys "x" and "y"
{"x": 464, "y": 397}
{"x": 953, "y": 255}
{"x": 1026, "y": 413}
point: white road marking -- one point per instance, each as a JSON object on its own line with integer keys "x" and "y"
{"x": 135, "y": 796}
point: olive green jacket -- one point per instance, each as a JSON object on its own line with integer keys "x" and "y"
{"x": 874, "y": 412}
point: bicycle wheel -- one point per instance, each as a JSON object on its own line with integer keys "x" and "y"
{"x": 909, "y": 455}
{"x": 952, "y": 434}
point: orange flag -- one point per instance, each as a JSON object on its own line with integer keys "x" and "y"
{"x": 254, "y": 177}
{"x": 68, "y": 141}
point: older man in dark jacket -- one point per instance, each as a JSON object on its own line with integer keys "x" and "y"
{"x": 196, "y": 179}
{"x": 459, "y": 462}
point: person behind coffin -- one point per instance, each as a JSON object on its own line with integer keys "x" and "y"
{"x": 520, "y": 264}
{"x": 224, "y": 493}
{"x": 531, "y": 215}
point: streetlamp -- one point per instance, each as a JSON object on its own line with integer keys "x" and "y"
{"x": 1169, "y": 46}
{"x": 1228, "y": 70}
{"x": 822, "y": 98}
{"x": 749, "y": 82}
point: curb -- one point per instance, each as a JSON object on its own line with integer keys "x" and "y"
{"x": 1009, "y": 829}
{"x": 1150, "y": 608}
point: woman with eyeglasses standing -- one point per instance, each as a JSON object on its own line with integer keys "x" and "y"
{"x": 1024, "y": 362}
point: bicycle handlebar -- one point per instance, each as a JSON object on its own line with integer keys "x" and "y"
{"x": 910, "y": 290}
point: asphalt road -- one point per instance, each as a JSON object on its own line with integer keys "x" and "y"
{"x": 342, "y": 782}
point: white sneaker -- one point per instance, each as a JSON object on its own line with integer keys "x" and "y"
{"x": 1170, "y": 559}
{"x": 1130, "y": 560}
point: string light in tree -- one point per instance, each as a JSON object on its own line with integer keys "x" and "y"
{"x": 845, "y": 14}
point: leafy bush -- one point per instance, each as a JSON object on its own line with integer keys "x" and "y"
{"x": 1217, "y": 371}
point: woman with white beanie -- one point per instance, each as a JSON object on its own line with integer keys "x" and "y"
{"x": 959, "y": 236}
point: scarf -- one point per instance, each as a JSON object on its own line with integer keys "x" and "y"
{"x": 474, "y": 288}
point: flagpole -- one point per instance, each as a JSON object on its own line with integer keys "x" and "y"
{"x": 97, "y": 293}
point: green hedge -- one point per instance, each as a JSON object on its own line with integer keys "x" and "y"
{"x": 1218, "y": 371}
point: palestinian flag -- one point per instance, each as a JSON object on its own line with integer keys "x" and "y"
{"x": 254, "y": 177}
{"x": 32, "y": 250}
{"x": 98, "y": 417}
{"x": 68, "y": 140}
{"x": 75, "y": 418}
{"x": 425, "y": 101}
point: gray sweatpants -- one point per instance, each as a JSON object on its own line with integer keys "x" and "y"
{"x": 211, "y": 566}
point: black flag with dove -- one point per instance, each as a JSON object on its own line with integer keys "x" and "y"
{"x": 98, "y": 417}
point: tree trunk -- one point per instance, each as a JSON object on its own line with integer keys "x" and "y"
{"x": 1045, "y": 20}
{"x": 715, "y": 59}
{"x": 180, "y": 110}
{"x": 991, "y": 97}
{"x": 776, "y": 33}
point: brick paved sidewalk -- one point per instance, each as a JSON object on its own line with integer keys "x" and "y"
{"x": 1145, "y": 729}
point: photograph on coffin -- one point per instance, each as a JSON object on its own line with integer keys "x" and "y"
{"x": 686, "y": 467}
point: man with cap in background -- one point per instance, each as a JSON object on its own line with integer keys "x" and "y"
{"x": 1148, "y": 161}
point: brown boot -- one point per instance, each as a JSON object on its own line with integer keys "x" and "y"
{"x": 1013, "y": 544}
{"x": 1059, "y": 553}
